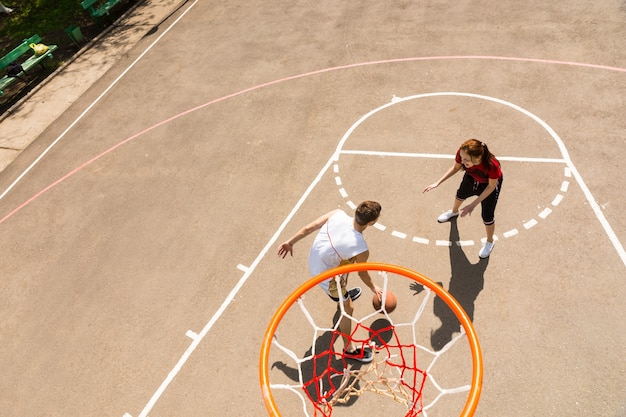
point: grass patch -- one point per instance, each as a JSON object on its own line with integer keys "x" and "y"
{"x": 47, "y": 18}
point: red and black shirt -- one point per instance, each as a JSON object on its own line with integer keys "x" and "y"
{"x": 480, "y": 173}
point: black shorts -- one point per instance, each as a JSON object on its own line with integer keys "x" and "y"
{"x": 469, "y": 187}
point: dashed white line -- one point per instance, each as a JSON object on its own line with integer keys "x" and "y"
{"x": 380, "y": 226}
{"x": 398, "y": 234}
{"x": 545, "y": 213}
{"x": 530, "y": 223}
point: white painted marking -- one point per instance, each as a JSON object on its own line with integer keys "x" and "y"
{"x": 443, "y": 243}
{"x": 192, "y": 335}
{"x": 336, "y": 168}
{"x": 380, "y": 226}
{"x": 397, "y": 154}
{"x": 564, "y": 186}
{"x": 567, "y": 172}
{"x": 338, "y": 180}
{"x": 510, "y": 233}
{"x": 530, "y": 223}
{"x": 398, "y": 234}
{"x": 545, "y": 213}
{"x": 445, "y": 156}
{"x": 421, "y": 240}
{"x": 242, "y": 268}
{"x": 351, "y": 205}
{"x": 557, "y": 200}
{"x": 343, "y": 192}
{"x": 465, "y": 243}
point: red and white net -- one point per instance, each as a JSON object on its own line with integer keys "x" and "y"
{"x": 405, "y": 366}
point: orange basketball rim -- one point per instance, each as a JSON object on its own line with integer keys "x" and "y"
{"x": 476, "y": 354}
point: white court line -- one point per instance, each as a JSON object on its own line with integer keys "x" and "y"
{"x": 443, "y": 156}
{"x": 545, "y": 213}
{"x": 557, "y": 200}
{"x": 530, "y": 223}
{"x": 398, "y": 234}
{"x": 231, "y": 296}
{"x": 96, "y": 101}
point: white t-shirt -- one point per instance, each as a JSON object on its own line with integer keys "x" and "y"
{"x": 336, "y": 243}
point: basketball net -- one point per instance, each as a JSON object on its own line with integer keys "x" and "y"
{"x": 400, "y": 369}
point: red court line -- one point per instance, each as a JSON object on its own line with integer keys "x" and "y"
{"x": 294, "y": 77}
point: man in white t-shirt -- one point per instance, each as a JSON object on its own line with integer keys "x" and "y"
{"x": 340, "y": 241}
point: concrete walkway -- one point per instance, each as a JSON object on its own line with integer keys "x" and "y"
{"x": 27, "y": 119}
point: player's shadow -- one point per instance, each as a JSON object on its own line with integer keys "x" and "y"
{"x": 323, "y": 372}
{"x": 466, "y": 283}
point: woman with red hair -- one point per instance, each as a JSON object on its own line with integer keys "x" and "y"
{"x": 483, "y": 178}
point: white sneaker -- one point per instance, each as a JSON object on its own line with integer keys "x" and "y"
{"x": 485, "y": 251}
{"x": 445, "y": 217}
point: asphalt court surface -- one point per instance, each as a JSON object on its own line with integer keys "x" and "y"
{"x": 139, "y": 268}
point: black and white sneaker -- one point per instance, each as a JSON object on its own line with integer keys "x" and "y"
{"x": 361, "y": 355}
{"x": 354, "y": 293}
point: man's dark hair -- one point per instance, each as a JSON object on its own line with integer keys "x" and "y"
{"x": 366, "y": 212}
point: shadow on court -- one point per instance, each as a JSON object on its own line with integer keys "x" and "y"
{"x": 323, "y": 372}
{"x": 466, "y": 283}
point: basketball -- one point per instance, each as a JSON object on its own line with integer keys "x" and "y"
{"x": 390, "y": 302}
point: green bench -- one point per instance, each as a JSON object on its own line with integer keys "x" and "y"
{"x": 16, "y": 55}
{"x": 98, "y": 11}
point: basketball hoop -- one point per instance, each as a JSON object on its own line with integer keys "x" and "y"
{"x": 395, "y": 371}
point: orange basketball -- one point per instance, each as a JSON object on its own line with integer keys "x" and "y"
{"x": 390, "y": 302}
